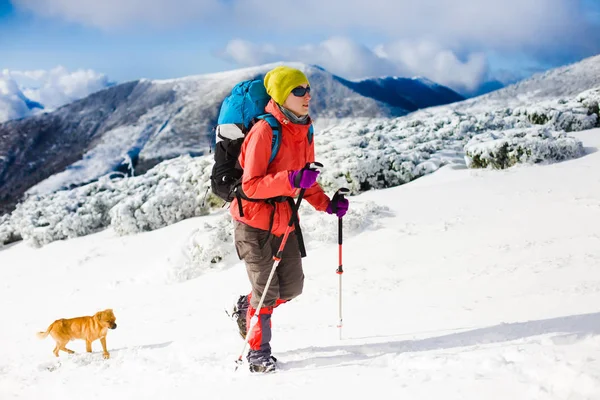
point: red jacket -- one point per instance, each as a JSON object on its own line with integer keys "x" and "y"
{"x": 262, "y": 180}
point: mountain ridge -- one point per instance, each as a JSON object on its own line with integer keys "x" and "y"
{"x": 149, "y": 121}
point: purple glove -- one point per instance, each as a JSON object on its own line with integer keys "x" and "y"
{"x": 338, "y": 206}
{"x": 304, "y": 178}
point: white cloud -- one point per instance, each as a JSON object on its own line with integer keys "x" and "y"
{"x": 52, "y": 89}
{"x": 339, "y": 55}
{"x": 350, "y": 60}
{"x": 535, "y": 25}
{"x": 13, "y": 103}
{"x": 246, "y": 53}
{"x": 500, "y": 25}
{"x": 441, "y": 65}
{"x": 447, "y": 36}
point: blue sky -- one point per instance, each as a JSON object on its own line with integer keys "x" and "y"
{"x": 459, "y": 43}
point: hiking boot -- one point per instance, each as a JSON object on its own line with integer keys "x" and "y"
{"x": 239, "y": 314}
{"x": 261, "y": 363}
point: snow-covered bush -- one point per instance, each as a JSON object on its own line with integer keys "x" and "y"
{"x": 170, "y": 192}
{"x": 65, "y": 214}
{"x": 363, "y": 155}
{"x": 201, "y": 255}
{"x": 359, "y": 154}
{"x": 8, "y": 233}
{"x": 534, "y": 145}
{"x": 323, "y": 228}
{"x": 367, "y": 154}
{"x": 569, "y": 115}
{"x": 212, "y": 245}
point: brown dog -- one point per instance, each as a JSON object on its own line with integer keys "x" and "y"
{"x": 86, "y": 328}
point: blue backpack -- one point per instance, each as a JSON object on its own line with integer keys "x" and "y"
{"x": 239, "y": 112}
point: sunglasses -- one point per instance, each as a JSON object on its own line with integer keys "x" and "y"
{"x": 300, "y": 91}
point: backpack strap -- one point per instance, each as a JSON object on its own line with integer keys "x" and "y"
{"x": 299, "y": 236}
{"x": 276, "y": 128}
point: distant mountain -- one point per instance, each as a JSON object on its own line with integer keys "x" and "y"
{"x": 134, "y": 126}
{"x": 409, "y": 94}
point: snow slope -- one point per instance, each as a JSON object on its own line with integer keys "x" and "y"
{"x": 562, "y": 82}
{"x": 360, "y": 153}
{"x": 464, "y": 284}
{"x": 143, "y": 123}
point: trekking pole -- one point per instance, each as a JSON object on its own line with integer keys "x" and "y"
{"x": 277, "y": 258}
{"x": 339, "y": 195}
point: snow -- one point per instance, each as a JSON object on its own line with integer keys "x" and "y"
{"x": 168, "y": 193}
{"x": 463, "y": 284}
{"x": 362, "y": 154}
{"x": 112, "y": 150}
{"x": 505, "y": 149}
{"x": 161, "y": 119}
{"x": 555, "y": 83}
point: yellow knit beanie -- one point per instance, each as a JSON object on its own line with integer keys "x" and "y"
{"x": 280, "y": 81}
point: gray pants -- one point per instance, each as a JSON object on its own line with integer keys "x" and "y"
{"x": 288, "y": 281}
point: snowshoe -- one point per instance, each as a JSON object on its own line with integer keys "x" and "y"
{"x": 266, "y": 366}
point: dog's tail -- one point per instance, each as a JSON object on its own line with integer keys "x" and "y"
{"x": 44, "y": 335}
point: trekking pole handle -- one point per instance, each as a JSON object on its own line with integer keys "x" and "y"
{"x": 313, "y": 166}
{"x": 339, "y": 195}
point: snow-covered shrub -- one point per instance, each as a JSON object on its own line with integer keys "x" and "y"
{"x": 201, "y": 255}
{"x": 569, "y": 115}
{"x": 66, "y": 214}
{"x": 590, "y": 99}
{"x": 8, "y": 233}
{"x": 538, "y": 117}
{"x": 360, "y": 154}
{"x": 504, "y": 149}
{"x": 574, "y": 121}
{"x": 373, "y": 154}
{"x": 170, "y": 192}
{"x": 210, "y": 246}
{"x": 321, "y": 227}
{"x": 363, "y": 155}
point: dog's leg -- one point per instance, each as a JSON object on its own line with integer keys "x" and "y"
{"x": 88, "y": 346}
{"x": 56, "y": 348}
{"x": 63, "y": 348}
{"x": 105, "y": 352}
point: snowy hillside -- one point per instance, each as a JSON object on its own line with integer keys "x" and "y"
{"x": 146, "y": 122}
{"x": 360, "y": 154}
{"x": 563, "y": 82}
{"x": 464, "y": 284}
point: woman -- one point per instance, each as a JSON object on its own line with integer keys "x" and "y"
{"x": 261, "y": 225}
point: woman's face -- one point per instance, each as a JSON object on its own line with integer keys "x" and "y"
{"x": 298, "y": 104}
